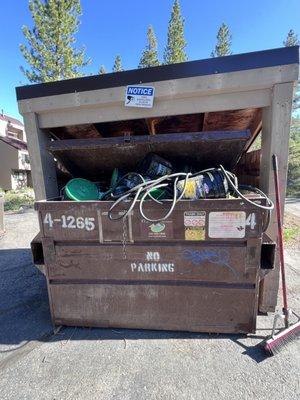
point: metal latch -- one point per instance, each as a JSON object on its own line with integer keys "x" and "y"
{"x": 127, "y": 137}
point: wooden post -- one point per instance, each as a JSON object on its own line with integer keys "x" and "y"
{"x": 42, "y": 163}
{"x": 275, "y": 140}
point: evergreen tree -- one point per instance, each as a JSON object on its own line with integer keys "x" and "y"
{"x": 293, "y": 176}
{"x": 291, "y": 39}
{"x": 175, "y": 48}
{"x": 102, "y": 70}
{"x": 118, "y": 64}
{"x": 51, "y": 53}
{"x": 223, "y": 46}
{"x": 150, "y": 56}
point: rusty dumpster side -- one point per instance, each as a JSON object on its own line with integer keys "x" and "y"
{"x": 181, "y": 275}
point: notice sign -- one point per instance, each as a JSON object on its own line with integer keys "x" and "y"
{"x": 139, "y": 96}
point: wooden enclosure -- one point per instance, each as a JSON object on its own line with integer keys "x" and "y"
{"x": 246, "y": 92}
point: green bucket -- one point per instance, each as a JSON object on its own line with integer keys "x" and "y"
{"x": 80, "y": 189}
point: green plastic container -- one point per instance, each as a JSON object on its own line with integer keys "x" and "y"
{"x": 80, "y": 189}
{"x": 158, "y": 193}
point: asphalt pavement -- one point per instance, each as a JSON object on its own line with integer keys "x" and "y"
{"x": 292, "y": 206}
{"x": 78, "y": 363}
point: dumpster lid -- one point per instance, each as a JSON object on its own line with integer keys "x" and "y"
{"x": 93, "y": 158}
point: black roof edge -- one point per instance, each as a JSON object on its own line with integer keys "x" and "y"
{"x": 209, "y": 66}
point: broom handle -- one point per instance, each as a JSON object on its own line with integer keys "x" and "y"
{"x": 280, "y": 238}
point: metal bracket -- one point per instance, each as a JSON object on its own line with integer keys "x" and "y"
{"x": 49, "y": 250}
{"x": 253, "y": 254}
{"x": 127, "y": 137}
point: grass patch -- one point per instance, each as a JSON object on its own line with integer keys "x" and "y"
{"x": 290, "y": 234}
{"x": 14, "y": 199}
{"x": 291, "y": 230}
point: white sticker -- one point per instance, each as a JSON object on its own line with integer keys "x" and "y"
{"x": 139, "y": 96}
{"x": 227, "y": 224}
{"x": 194, "y": 218}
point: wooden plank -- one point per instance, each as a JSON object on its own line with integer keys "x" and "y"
{"x": 76, "y": 132}
{"x": 210, "y": 66}
{"x": 162, "y": 107}
{"x": 275, "y": 140}
{"x": 255, "y": 79}
{"x": 233, "y": 120}
{"x": 42, "y": 163}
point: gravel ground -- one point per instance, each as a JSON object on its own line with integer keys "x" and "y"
{"x": 97, "y": 364}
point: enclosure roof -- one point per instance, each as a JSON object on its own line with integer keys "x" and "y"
{"x": 210, "y": 66}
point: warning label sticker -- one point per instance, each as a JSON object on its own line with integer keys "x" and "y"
{"x": 194, "y": 225}
{"x": 195, "y": 233}
{"x": 227, "y": 224}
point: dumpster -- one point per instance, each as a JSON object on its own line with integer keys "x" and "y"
{"x": 176, "y": 263}
{"x": 135, "y": 276}
{"x": 197, "y": 270}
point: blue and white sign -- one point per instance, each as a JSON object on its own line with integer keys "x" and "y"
{"x": 139, "y": 96}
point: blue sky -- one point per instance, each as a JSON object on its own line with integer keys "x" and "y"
{"x": 119, "y": 27}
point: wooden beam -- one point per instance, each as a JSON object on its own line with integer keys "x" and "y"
{"x": 161, "y": 108}
{"x": 42, "y": 163}
{"x": 151, "y": 122}
{"x": 239, "y": 81}
{"x": 205, "y": 116}
{"x": 255, "y": 128}
{"x": 275, "y": 140}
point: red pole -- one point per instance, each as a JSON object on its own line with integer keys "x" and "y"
{"x": 280, "y": 238}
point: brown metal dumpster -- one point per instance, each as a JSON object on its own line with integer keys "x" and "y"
{"x": 199, "y": 272}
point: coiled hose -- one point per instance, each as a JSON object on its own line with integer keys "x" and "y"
{"x": 143, "y": 190}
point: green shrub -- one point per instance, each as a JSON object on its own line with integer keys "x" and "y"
{"x": 293, "y": 176}
{"x": 14, "y": 199}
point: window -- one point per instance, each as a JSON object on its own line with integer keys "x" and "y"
{"x": 25, "y": 158}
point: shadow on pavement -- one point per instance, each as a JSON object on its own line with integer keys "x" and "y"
{"x": 25, "y": 316}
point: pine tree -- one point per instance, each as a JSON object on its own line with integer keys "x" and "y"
{"x": 223, "y": 46}
{"x": 150, "y": 56}
{"x": 175, "y": 48}
{"x": 102, "y": 70}
{"x": 51, "y": 53}
{"x": 293, "y": 175}
{"x": 118, "y": 64}
{"x": 291, "y": 39}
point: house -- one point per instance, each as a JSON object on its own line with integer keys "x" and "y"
{"x": 15, "y": 170}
